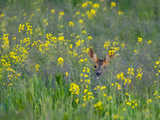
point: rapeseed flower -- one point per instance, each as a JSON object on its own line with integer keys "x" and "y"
{"x": 60, "y": 60}
{"x": 98, "y": 105}
{"x": 140, "y": 39}
{"x": 71, "y": 24}
{"x": 74, "y": 89}
{"x": 113, "y": 4}
{"x": 37, "y": 66}
{"x": 95, "y": 5}
{"x": 149, "y": 42}
{"x": 52, "y": 11}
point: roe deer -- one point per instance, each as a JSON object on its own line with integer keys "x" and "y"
{"x": 100, "y": 63}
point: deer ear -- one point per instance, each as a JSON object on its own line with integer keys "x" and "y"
{"x": 92, "y": 55}
{"x": 108, "y": 58}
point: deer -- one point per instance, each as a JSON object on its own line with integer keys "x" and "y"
{"x": 100, "y": 64}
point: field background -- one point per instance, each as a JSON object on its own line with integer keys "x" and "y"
{"x": 45, "y": 70}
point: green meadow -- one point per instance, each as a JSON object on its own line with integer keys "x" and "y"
{"x": 47, "y": 71}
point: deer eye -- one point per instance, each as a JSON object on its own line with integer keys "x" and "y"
{"x": 95, "y": 66}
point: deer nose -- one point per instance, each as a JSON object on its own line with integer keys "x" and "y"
{"x": 98, "y": 73}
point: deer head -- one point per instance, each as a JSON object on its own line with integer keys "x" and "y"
{"x": 100, "y": 64}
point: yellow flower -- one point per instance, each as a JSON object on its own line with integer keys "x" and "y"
{"x": 118, "y": 76}
{"x": 67, "y": 74}
{"x": 60, "y": 60}
{"x": 29, "y": 28}
{"x": 139, "y": 75}
{"x": 74, "y": 89}
{"x": 88, "y": 70}
{"x": 109, "y": 98}
{"x": 140, "y": 39}
{"x": 123, "y": 45}
{"x": 70, "y": 46}
{"x": 116, "y": 116}
{"x": 149, "y": 101}
{"x": 128, "y": 103}
{"x": 71, "y": 24}
{"x": 78, "y": 43}
{"x": 96, "y": 5}
{"x": 84, "y": 32}
{"x": 120, "y": 12}
{"x": 111, "y": 52}
{"x": 84, "y": 5}
{"x": 127, "y": 94}
{"x": 81, "y": 75}
{"x": 103, "y": 87}
{"x": 130, "y": 71}
{"x": 98, "y": 105}
{"x": 77, "y": 100}
{"x": 52, "y": 11}
{"x": 149, "y": 42}
{"x": 81, "y": 60}
{"x": 155, "y": 93}
{"x": 37, "y": 66}
{"x": 104, "y": 94}
{"x": 2, "y": 15}
{"x": 84, "y": 105}
{"x": 14, "y": 38}
{"x": 90, "y": 37}
{"x": 135, "y": 51}
{"x": 113, "y": 4}
{"x": 77, "y": 12}
{"x": 81, "y": 21}
{"x": 61, "y": 38}
{"x": 93, "y": 12}
{"x": 107, "y": 44}
{"x": 157, "y": 62}
{"x": 61, "y": 13}
{"x": 85, "y": 75}
{"x": 119, "y": 87}
{"x": 85, "y": 91}
{"x": 45, "y": 22}
{"x": 21, "y": 27}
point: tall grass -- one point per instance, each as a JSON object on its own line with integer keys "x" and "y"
{"x": 45, "y": 70}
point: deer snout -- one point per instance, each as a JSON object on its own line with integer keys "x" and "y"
{"x": 98, "y": 73}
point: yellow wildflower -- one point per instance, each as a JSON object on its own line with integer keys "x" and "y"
{"x": 77, "y": 100}
{"x": 120, "y": 12}
{"x": 67, "y": 74}
{"x": 21, "y": 27}
{"x": 113, "y": 4}
{"x": 61, "y": 38}
{"x": 37, "y": 66}
{"x": 77, "y": 12}
{"x": 60, "y": 60}
{"x": 95, "y": 5}
{"x": 84, "y": 5}
{"x": 149, "y": 101}
{"x": 52, "y": 11}
{"x": 130, "y": 71}
{"x": 149, "y": 42}
{"x": 71, "y": 24}
{"x": 61, "y": 13}
{"x": 140, "y": 39}
{"x": 2, "y": 15}
{"x": 74, "y": 89}
{"x": 81, "y": 21}
{"x": 107, "y": 44}
{"x": 98, "y": 105}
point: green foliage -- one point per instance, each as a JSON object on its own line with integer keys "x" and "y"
{"x": 45, "y": 70}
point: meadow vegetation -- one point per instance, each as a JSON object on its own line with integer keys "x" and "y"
{"x": 45, "y": 70}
